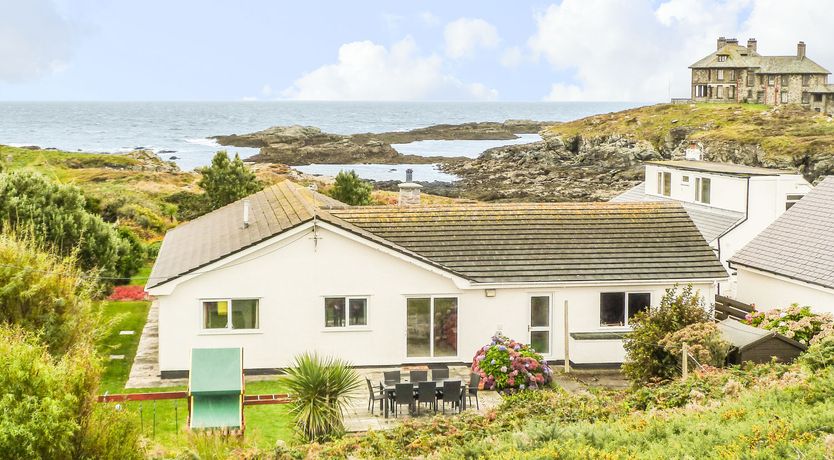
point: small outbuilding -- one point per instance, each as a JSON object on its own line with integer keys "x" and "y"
{"x": 756, "y": 344}
{"x": 215, "y": 389}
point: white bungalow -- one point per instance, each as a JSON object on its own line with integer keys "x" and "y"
{"x": 730, "y": 204}
{"x": 792, "y": 261}
{"x": 288, "y": 270}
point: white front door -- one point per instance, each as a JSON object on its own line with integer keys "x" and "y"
{"x": 540, "y": 320}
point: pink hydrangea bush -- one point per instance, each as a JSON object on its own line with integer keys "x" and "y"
{"x": 794, "y": 322}
{"x": 507, "y": 365}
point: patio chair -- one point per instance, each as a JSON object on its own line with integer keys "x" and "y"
{"x": 451, "y": 394}
{"x": 474, "y": 382}
{"x": 439, "y": 374}
{"x": 403, "y": 395}
{"x": 391, "y": 377}
{"x": 374, "y": 396}
{"x": 418, "y": 376}
{"x": 426, "y": 395}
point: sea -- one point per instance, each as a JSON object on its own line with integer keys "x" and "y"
{"x": 181, "y": 131}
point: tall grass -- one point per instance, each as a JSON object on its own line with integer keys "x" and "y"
{"x": 320, "y": 388}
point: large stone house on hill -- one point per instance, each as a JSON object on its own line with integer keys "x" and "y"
{"x": 736, "y": 73}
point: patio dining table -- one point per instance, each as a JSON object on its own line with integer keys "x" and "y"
{"x": 438, "y": 383}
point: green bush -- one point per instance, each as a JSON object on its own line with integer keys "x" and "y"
{"x": 704, "y": 342}
{"x": 320, "y": 388}
{"x": 646, "y": 360}
{"x": 794, "y": 322}
{"x": 819, "y": 355}
{"x": 226, "y": 181}
{"x": 57, "y": 216}
{"x": 350, "y": 189}
{"x": 45, "y": 293}
{"x": 47, "y": 405}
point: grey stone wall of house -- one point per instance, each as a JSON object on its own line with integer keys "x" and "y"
{"x": 735, "y": 73}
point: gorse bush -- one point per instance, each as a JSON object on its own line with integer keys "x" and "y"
{"x": 794, "y": 322}
{"x": 646, "y": 359}
{"x": 350, "y": 189}
{"x": 819, "y": 355}
{"x": 45, "y": 293}
{"x": 505, "y": 364}
{"x": 704, "y": 342}
{"x": 320, "y": 388}
{"x": 56, "y": 215}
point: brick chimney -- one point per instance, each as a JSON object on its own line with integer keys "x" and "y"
{"x": 751, "y": 45}
{"x": 732, "y": 41}
{"x": 721, "y": 42}
{"x": 409, "y": 191}
{"x": 800, "y": 50}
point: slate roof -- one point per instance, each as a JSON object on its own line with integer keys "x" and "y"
{"x": 722, "y": 168}
{"x": 828, "y": 88}
{"x": 220, "y": 233}
{"x": 554, "y": 242}
{"x": 738, "y": 56}
{"x": 800, "y": 243}
{"x": 711, "y": 222}
{"x": 484, "y": 243}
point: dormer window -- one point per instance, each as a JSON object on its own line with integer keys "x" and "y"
{"x": 722, "y": 58}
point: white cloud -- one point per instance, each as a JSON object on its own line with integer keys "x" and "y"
{"x": 369, "y": 71}
{"x": 35, "y": 40}
{"x": 512, "y": 57}
{"x": 629, "y": 50}
{"x": 465, "y": 35}
{"x": 429, "y": 18}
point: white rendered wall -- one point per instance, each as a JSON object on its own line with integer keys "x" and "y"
{"x": 769, "y": 291}
{"x": 291, "y": 280}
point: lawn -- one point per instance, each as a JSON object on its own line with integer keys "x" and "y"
{"x": 164, "y": 422}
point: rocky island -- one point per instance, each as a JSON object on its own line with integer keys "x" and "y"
{"x": 302, "y": 145}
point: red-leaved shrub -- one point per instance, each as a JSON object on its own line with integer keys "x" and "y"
{"x": 128, "y": 293}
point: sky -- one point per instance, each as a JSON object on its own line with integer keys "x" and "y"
{"x": 569, "y": 50}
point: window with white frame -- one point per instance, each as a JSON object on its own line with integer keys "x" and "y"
{"x": 219, "y": 314}
{"x": 345, "y": 311}
{"x": 792, "y": 199}
{"x": 720, "y": 74}
{"x": 685, "y": 180}
{"x": 617, "y": 308}
{"x": 703, "y": 190}
{"x": 664, "y": 183}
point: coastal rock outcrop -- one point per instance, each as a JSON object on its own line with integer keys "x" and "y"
{"x": 301, "y": 145}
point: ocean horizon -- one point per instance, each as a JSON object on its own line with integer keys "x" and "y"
{"x": 181, "y": 131}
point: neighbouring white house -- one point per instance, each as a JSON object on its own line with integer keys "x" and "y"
{"x": 730, "y": 204}
{"x": 792, "y": 260}
{"x": 288, "y": 270}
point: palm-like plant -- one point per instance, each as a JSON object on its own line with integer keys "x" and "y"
{"x": 320, "y": 388}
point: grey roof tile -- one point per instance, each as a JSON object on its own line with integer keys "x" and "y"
{"x": 800, "y": 243}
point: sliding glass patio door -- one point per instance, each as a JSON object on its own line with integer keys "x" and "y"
{"x": 431, "y": 327}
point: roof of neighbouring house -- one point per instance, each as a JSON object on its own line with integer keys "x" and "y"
{"x": 743, "y": 336}
{"x": 800, "y": 243}
{"x": 483, "y": 243}
{"x": 722, "y": 168}
{"x": 711, "y": 222}
{"x": 739, "y": 56}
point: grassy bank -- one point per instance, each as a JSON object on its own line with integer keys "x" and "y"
{"x": 786, "y": 134}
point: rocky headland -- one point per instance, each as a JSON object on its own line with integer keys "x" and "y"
{"x": 598, "y": 157}
{"x": 303, "y": 145}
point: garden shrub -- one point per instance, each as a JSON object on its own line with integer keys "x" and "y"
{"x": 794, "y": 322}
{"x": 506, "y": 364}
{"x": 704, "y": 342}
{"x": 320, "y": 389}
{"x": 819, "y": 355}
{"x": 48, "y": 408}
{"x": 646, "y": 360}
{"x": 128, "y": 293}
